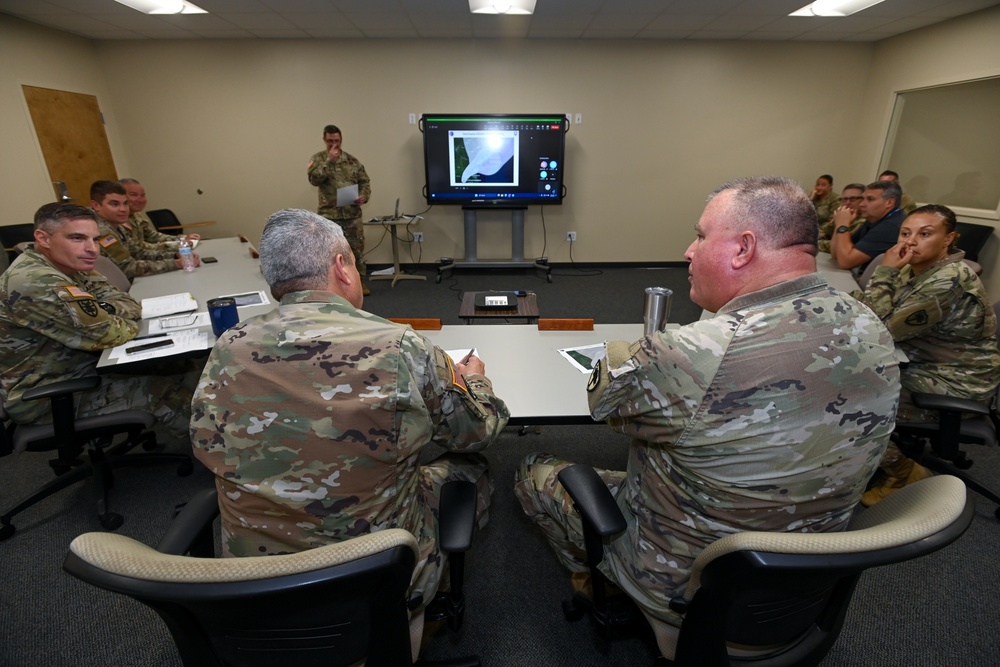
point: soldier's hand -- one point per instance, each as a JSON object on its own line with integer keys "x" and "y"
{"x": 473, "y": 365}
{"x": 898, "y": 255}
{"x": 843, "y": 216}
{"x": 333, "y": 154}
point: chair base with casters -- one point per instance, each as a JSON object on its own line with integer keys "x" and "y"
{"x": 72, "y": 438}
{"x": 779, "y": 599}
{"x": 332, "y": 605}
{"x": 946, "y": 436}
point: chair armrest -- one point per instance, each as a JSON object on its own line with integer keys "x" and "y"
{"x": 949, "y": 404}
{"x": 457, "y": 516}
{"x": 63, "y": 388}
{"x": 192, "y": 528}
{"x": 593, "y": 499}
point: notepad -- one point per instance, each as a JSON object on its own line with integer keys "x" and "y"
{"x": 171, "y": 304}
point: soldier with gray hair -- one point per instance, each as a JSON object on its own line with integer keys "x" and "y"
{"x": 313, "y": 416}
{"x": 772, "y": 415}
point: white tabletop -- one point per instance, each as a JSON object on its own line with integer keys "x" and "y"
{"x": 235, "y": 272}
{"x": 537, "y": 383}
{"x": 836, "y": 277}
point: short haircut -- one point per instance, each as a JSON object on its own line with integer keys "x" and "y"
{"x": 50, "y": 217}
{"x": 854, "y": 186}
{"x": 101, "y": 189}
{"x": 776, "y": 207}
{"x": 890, "y": 190}
{"x": 297, "y": 248}
{"x": 826, "y": 177}
{"x": 889, "y": 172}
{"x": 128, "y": 181}
{"x": 332, "y": 129}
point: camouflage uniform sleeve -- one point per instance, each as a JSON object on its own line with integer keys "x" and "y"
{"x": 121, "y": 303}
{"x": 72, "y": 315}
{"x": 463, "y": 419}
{"x": 320, "y": 170}
{"x": 364, "y": 183}
{"x": 923, "y": 309}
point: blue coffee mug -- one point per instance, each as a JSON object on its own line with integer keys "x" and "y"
{"x": 222, "y": 311}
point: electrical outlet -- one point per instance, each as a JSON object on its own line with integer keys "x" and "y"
{"x": 571, "y": 236}
{"x": 418, "y": 237}
{"x": 413, "y": 119}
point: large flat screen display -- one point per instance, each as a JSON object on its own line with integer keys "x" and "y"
{"x": 494, "y": 160}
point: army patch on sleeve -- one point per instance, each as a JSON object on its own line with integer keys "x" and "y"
{"x": 595, "y": 375}
{"x": 917, "y": 319}
{"x": 108, "y": 241}
{"x": 88, "y": 306}
{"x": 78, "y": 293}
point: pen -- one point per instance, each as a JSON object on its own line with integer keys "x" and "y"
{"x": 466, "y": 358}
{"x": 159, "y": 335}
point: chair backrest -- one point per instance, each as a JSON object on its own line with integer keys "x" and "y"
{"x": 333, "y": 605}
{"x": 972, "y": 238}
{"x": 565, "y": 324}
{"x": 165, "y": 221}
{"x": 425, "y": 323}
{"x": 12, "y": 235}
{"x": 792, "y": 590}
{"x": 869, "y": 270}
{"x": 110, "y": 270}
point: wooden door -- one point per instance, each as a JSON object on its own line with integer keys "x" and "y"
{"x": 70, "y": 130}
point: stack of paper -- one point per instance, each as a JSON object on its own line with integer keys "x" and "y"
{"x": 170, "y": 304}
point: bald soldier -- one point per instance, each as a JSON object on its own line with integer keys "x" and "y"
{"x": 57, "y": 314}
{"x": 772, "y": 415}
{"x": 313, "y": 416}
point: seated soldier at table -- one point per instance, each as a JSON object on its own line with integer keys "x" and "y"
{"x": 139, "y": 221}
{"x": 119, "y": 242}
{"x": 771, "y": 416}
{"x": 850, "y": 204}
{"x": 880, "y": 206}
{"x": 354, "y": 396}
{"x": 56, "y": 313}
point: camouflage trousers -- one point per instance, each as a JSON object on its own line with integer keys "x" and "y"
{"x": 431, "y": 572}
{"x": 354, "y": 231}
{"x": 546, "y": 502}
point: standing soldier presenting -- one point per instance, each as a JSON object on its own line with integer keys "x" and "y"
{"x": 331, "y": 170}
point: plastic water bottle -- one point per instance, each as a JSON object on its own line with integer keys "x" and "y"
{"x": 187, "y": 258}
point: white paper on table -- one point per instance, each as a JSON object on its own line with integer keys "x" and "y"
{"x": 584, "y": 357}
{"x": 258, "y": 298}
{"x": 179, "y": 322}
{"x": 188, "y": 340}
{"x": 458, "y": 355}
{"x": 171, "y": 304}
{"x": 347, "y": 195}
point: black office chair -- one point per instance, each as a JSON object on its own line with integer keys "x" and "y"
{"x": 776, "y": 599}
{"x": 972, "y": 238}
{"x": 165, "y": 221}
{"x": 71, "y": 437}
{"x": 332, "y": 606}
{"x": 12, "y": 235}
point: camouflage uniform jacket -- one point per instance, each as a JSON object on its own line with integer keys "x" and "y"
{"x": 944, "y": 322}
{"x": 52, "y": 324}
{"x": 312, "y": 418}
{"x": 119, "y": 245}
{"x": 328, "y": 176}
{"x": 826, "y": 206}
{"x": 770, "y": 416}
{"x": 150, "y": 234}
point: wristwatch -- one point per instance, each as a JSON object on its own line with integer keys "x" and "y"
{"x": 842, "y": 229}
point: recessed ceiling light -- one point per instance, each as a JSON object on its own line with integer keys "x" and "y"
{"x": 162, "y": 6}
{"x": 835, "y": 7}
{"x": 502, "y": 6}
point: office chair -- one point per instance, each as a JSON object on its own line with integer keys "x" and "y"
{"x": 71, "y": 437}
{"x": 333, "y": 606}
{"x": 114, "y": 275}
{"x": 565, "y": 324}
{"x": 165, "y": 221}
{"x": 12, "y": 235}
{"x": 419, "y": 323}
{"x": 972, "y": 238}
{"x": 774, "y": 599}
{"x": 866, "y": 275}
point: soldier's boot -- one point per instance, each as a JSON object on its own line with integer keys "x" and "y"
{"x": 903, "y": 472}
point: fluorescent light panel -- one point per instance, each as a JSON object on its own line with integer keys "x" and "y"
{"x": 162, "y": 6}
{"x": 502, "y": 6}
{"x": 835, "y": 7}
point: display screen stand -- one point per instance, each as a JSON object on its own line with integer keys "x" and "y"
{"x": 516, "y": 261}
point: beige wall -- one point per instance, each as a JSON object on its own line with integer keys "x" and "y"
{"x": 663, "y": 122}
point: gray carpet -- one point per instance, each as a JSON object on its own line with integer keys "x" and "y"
{"x": 935, "y": 611}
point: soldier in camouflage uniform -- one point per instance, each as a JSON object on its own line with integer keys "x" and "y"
{"x": 313, "y": 416}
{"x": 137, "y": 219}
{"x": 937, "y": 311}
{"x": 824, "y": 199}
{"x": 847, "y": 214}
{"x": 771, "y": 416}
{"x": 335, "y": 168}
{"x": 123, "y": 244}
{"x": 56, "y": 312}
{"x": 905, "y": 201}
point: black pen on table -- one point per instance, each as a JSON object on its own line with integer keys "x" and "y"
{"x": 147, "y": 336}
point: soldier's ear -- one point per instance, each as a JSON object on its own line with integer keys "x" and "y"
{"x": 41, "y": 238}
